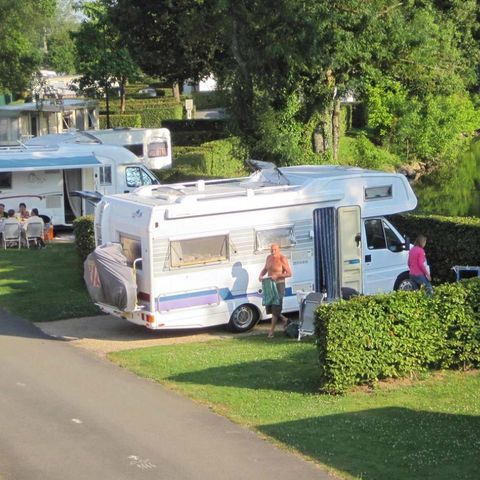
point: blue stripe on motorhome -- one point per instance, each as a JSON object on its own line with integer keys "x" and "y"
{"x": 205, "y": 297}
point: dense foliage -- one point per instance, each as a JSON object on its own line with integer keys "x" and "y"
{"x": 403, "y": 333}
{"x": 83, "y": 228}
{"x": 22, "y": 26}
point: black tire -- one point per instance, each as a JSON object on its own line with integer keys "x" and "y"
{"x": 404, "y": 283}
{"x": 243, "y": 318}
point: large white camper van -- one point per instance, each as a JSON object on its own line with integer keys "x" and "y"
{"x": 151, "y": 145}
{"x": 198, "y": 248}
{"x": 48, "y": 177}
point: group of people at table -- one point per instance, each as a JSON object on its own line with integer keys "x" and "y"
{"x": 22, "y": 218}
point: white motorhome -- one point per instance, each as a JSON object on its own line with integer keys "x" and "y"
{"x": 48, "y": 177}
{"x": 151, "y": 145}
{"x": 198, "y": 247}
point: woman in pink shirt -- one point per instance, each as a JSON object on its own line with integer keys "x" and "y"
{"x": 417, "y": 265}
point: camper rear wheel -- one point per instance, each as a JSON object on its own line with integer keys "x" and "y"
{"x": 243, "y": 318}
{"x": 404, "y": 283}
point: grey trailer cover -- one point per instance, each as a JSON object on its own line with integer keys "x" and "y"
{"x": 109, "y": 278}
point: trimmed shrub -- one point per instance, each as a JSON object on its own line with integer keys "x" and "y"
{"x": 220, "y": 158}
{"x": 451, "y": 241}
{"x": 83, "y": 229}
{"x": 195, "y": 125}
{"x": 403, "y": 333}
{"x": 154, "y": 117}
{"x": 127, "y": 120}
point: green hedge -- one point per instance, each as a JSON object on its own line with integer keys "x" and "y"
{"x": 195, "y": 125}
{"x": 451, "y": 241}
{"x": 403, "y": 333}
{"x": 83, "y": 229}
{"x": 127, "y": 120}
{"x": 220, "y": 158}
{"x": 154, "y": 117}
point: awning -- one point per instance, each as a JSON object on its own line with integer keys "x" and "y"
{"x": 25, "y": 163}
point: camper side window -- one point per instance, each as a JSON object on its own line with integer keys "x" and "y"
{"x": 199, "y": 251}
{"x": 381, "y": 236}
{"x": 132, "y": 249}
{"x": 282, "y": 236}
{"x": 105, "y": 175}
{"x": 5, "y": 179}
{"x": 375, "y": 234}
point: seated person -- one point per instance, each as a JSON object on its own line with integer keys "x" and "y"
{"x": 35, "y": 218}
{"x": 3, "y": 213}
{"x": 11, "y": 216}
{"x": 23, "y": 213}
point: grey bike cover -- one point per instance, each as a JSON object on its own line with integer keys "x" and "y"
{"x": 109, "y": 278}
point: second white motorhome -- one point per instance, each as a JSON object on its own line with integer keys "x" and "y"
{"x": 48, "y": 178}
{"x": 153, "y": 146}
{"x": 198, "y": 248}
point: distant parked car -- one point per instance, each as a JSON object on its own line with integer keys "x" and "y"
{"x": 148, "y": 92}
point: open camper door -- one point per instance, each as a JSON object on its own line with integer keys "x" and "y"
{"x": 350, "y": 247}
{"x": 337, "y": 249}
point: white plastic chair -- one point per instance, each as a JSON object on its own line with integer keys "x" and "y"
{"x": 33, "y": 232}
{"x": 12, "y": 233}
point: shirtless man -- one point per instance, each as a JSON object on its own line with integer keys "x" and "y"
{"x": 278, "y": 269}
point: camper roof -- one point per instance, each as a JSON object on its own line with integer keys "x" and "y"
{"x": 46, "y": 160}
{"x": 65, "y": 156}
{"x": 280, "y": 187}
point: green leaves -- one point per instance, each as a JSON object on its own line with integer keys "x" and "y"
{"x": 399, "y": 334}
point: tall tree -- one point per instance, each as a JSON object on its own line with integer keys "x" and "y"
{"x": 299, "y": 58}
{"x": 102, "y": 57}
{"x": 22, "y": 29}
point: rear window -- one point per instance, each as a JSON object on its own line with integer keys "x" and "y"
{"x": 158, "y": 148}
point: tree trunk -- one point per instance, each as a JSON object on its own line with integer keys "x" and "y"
{"x": 335, "y": 128}
{"x": 176, "y": 91}
{"x": 123, "y": 102}
{"x": 322, "y": 135}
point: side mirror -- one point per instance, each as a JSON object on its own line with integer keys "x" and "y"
{"x": 407, "y": 243}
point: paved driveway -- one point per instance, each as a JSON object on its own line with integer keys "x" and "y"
{"x": 106, "y": 333}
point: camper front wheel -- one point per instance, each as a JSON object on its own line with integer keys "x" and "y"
{"x": 404, "y": 283}
{"x": 243, "y": 318}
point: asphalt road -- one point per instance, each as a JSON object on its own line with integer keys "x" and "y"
{"x": 68, "y": 414}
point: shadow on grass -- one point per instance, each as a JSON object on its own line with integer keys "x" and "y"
{"x": 393, "y": 443}
{"x": 279, "y": 372}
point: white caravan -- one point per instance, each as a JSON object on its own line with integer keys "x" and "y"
{"x": 48, "y": 177}
{"x": 151, "y": 145}
{"x": 198, "y": 247}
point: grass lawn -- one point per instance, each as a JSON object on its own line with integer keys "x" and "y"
{"x": 427, "y": 429}
{"x": 42, "y": 285}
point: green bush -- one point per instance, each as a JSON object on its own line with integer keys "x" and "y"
{"x": 195, "y": 125}
{"x": 83, "y": 229}
{"x": 220, "y": 158}
{"x": 403, "y": 333}
{"x": 207, "y": 100}
{"x": 451, "y": 241}
{"x": 195, "y": 138}
{"x": 127, "y": 120}
{"x": 154, "y": 117}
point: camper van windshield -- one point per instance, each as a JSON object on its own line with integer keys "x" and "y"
{"x": 136, "y": 177}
